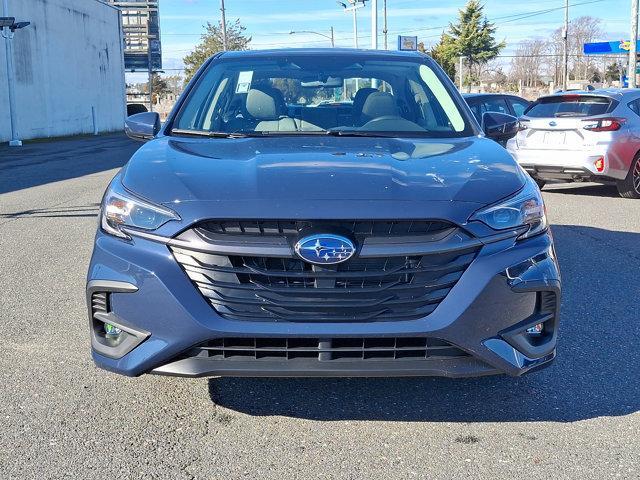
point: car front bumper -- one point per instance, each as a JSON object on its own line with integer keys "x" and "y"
{"x": 165, "y": 318}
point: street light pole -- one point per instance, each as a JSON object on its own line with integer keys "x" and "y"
{"x": 565, "y": 52}
{"x": 15, "y": 141}
{"x": 330, "y": 37}
{"x": 633, "y": 47}
{"x": 224, "y": 26}
{"x": 352, "y": 7}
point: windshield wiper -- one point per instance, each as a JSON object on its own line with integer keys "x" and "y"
{"x": 206, "y": 133}
{"x": 358, "y": 133}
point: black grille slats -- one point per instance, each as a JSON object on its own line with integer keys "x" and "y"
{"x": 368, "y": 228}
{"x": 286, "y": 288}
{"x": 99, "y": 302}
{"x": 331, "y": 349}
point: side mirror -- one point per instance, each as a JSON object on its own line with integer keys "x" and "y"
{"x": 499, "y": 126}
{"x": 142, "y": 126}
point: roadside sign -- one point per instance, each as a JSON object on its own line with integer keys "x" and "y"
{"x": 625, "y": 81}
{"x": 604, "y": 48}
{"x": 407, "y": 43}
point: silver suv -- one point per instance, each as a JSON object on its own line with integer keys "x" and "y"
{"x": 578, "y": 136}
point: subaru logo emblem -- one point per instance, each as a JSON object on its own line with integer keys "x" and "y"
{"x": 325, "y": 249}
{"x": 552, "y": 123}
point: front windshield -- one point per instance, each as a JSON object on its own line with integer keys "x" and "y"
{"x": 355, "y": 94}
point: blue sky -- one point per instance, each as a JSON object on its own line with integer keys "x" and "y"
{"x": 270, "y": 21}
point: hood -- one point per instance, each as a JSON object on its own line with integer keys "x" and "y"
{"x": 295, "y": 174}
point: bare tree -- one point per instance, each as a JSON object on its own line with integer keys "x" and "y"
{"x": 581, "y": 30}
{"x": 530, "y": 62}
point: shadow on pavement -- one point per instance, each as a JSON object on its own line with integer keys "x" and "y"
{"x": 89, "y": 210}
{"x": 595, "y": 374}
{"x": 588, "y": 190}
{"x": 44, "y": 162}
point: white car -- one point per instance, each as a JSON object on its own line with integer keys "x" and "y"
{"x": 582, "y": 136}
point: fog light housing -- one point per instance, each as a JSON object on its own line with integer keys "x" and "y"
{"x": 112, "y": 330}
{"x": 536, "y": 330}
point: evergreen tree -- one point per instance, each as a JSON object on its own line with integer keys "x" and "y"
{"x": 473, "y": 37}
{"x": 444, "y": 52}
{"x": 211, "y": 43}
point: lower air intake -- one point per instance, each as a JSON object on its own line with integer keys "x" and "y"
{"x": 328, "y": 349}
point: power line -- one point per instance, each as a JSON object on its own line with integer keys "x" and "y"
{"x": 507, "y": 19}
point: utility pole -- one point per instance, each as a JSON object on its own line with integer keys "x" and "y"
{"x": 355, "y": 28}
{"x": 633, "y": 47}
{"x": 333, "y": 43}
{"x": 224, "y": 26}
{"x": 374, "y": 24}
{"x": 385, "y": 30}
{"x": 149, "y": 60}
{"x": 565, "y": 52}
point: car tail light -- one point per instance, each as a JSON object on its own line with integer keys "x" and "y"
{"x": 599, "y": 164}
{"x": 603, "y": 124}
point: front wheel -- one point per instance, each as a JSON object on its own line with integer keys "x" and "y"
{"x": 630, "y": 186}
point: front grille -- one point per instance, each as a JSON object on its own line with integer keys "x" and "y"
{"x": 356, "y": 227}
{"x": 282, "y": 287}
{"x": 330, "y": 349}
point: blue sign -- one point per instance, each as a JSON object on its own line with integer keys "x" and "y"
{"x": 604, "y": 48}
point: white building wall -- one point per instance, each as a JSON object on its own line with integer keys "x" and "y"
{"x": 66, "y": 62}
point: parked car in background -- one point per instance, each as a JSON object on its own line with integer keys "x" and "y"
{"x": 133, "y": 108}
{"x": 264, "y": 232}
{"x": 495, "y": 102}
{"x": 582, "y": 136}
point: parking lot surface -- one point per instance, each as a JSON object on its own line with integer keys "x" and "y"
{"x": 62, "y": 417}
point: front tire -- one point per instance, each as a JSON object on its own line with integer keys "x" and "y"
{"x": 630, "y": 186}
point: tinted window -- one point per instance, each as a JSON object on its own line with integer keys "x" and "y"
{"x": 476, "y": 110}
{"x": 495, "y": 104}
{"x": 635, "y": 106}
{"x": 302, "y": 94}
{"x": 570, "y": 106}
{"x": 519, "y": 106}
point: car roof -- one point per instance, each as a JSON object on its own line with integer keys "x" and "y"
{"x": 479, "y": 95}
{"x": 615, "y": 93}
{"x": 330, "y": 52}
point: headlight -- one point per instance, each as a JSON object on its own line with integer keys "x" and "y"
{"x": 122, "y": 209}
{"x": 524, "y": 210}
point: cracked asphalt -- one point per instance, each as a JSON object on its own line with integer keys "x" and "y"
{"x": 60, "y": 417}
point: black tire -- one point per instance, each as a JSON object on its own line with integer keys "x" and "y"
{"x": 630, "y": 186}
{"x": 541, "y": 183}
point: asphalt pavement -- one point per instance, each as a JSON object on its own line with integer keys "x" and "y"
{"x": 61, "y": 417}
